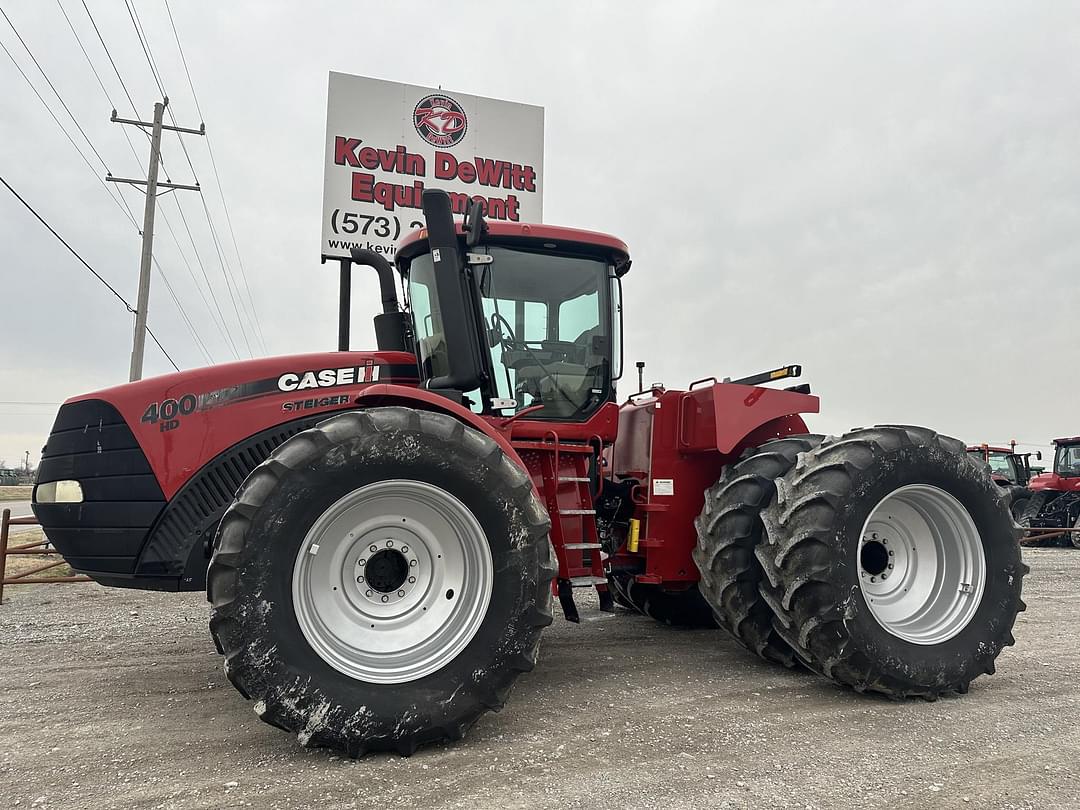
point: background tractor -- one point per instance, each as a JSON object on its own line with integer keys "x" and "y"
{"x": 381, "y": 533}
{"x": 1010, "y": 470}
{"x": 1055, "y": 499}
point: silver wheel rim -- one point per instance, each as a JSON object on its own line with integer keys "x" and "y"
{"x": 921, "y": 564}
{"x": 392, "y": 581}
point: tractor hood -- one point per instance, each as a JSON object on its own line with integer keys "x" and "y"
{"x": 134, "y": 479}
{"x": 180, "y": 420}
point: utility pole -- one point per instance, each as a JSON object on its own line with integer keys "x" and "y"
{"x": 152, "y": 185}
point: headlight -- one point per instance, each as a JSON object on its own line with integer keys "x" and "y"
{"x": 59, "y": 492}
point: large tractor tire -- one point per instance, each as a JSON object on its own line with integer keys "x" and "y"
{"x": 1036, "y": 503}
{"x": 1028, "y": 518}
{"x": 891, "y": 563}
{"x": 381, "y": 581}
{"x": 685, "y": 608}
{"x": 729, "y": 529}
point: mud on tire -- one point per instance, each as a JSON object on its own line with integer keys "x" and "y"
{"x": 729, "y": 529}
{"x": 251, "y": 584}
{"x": 815, "y": 574}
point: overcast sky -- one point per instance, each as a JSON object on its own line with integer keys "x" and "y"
{"x": 888, "y": 194}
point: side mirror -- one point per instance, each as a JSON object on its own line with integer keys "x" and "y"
{"x": 474, "y": 224}
{"x": 1038, "y": 455}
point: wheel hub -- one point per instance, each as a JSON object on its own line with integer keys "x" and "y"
{"x": 921, "y": 564}
{"x": 392, "y": 581}
{"x": 387, "y": 573}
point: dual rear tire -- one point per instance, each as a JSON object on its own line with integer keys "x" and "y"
{"x": 886, "y": 560}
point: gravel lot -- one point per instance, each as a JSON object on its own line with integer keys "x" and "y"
{"x": 111, "y": 698}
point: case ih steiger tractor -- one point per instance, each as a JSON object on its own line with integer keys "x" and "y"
{"x": 381, "y": 534}
{"x": 1055, "y": 500}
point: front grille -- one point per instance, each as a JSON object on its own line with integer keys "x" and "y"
{"x": 90, "y": 443}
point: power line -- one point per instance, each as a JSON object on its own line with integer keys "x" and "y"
{"x": 198, "y": 286}
{"x": 93, "y": 69}
{"x": 183, "y": 314}
{"x": 253, "y": 314}
{"x": 111, "y": 60}
{"x": 55, "y": 91}
{"x": 145, "y": 48}
{"x": 101, "y": 84}
{"x": 160, "y": 270}
{"x": 206, "y": 278}
{"x": 86, "y": 264}
{"x": 69, "y": 247}
{"x": 144, "y": 42}
{"x": 114, "y": 196}
{"x": 183, "y": 60}
{"x": 157, "y": 343}
{"x": 226, "y": 273}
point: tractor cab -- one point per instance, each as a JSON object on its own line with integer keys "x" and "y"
{"x": 1067, "y": 458}
{"x": 508, "y": 318}
{"x": 1007, "y": 467}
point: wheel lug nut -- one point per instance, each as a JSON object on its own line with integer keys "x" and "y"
{"x": 368, "y": 592}
{"x": 412, "y": 579}
{"x": 359, "y": 579}
{"x": 386, "y": 598}
{"x": 873, "y": 579}
{"x": 401, "y": 593}
{"x": 373, "y": 549}
{"x": 890, "y": 566}
{"x": 389, "y": 543}
{"x": 361, "y": 562}
{"x": 404, "y": 549}
{"x": 412, "y": 563}
{"x": 891, "y": 553}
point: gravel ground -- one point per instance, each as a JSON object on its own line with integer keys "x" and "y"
{"x": 111, "y": 698}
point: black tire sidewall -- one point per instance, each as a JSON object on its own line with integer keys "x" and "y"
{"x": 304, "y": 494}
{"x": 961, "y": 657}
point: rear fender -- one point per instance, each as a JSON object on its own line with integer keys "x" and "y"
{"x": 386, "y": 394}
{"x": 725, "y": 416}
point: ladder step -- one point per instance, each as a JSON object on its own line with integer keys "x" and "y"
{"x": 587, "y": 582}
{"x": 581, "y": 545}
{"x": 577, "y": 511}
{"x": 570, "y": 478}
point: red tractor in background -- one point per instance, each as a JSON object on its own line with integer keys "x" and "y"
{"x": 381, "y": 533}
{"x": 1055, "y": 499}
{"x": 1010, "y": 470}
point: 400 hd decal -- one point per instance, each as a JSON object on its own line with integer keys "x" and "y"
{"x": 165, "y": 413}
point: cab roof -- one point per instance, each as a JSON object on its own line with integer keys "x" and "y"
{"x": 522, "y": 234}
{"x": 991, "y": 448}
{"x": 1070, "y": 440}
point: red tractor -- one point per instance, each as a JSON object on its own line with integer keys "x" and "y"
{"x": 381, "y": 533}
{"x": 1010, "y": 470}
{"x": 1055, "y": 500}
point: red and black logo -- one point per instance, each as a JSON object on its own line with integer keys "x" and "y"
{"x": 440, "y": 120}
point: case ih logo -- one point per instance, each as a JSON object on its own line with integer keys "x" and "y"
{"x": 440, "y": 120}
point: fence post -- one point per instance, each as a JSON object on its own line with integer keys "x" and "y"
{"x": 3, "y": 550}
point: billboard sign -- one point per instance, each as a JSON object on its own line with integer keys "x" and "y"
{"x": 386, "y": 142}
